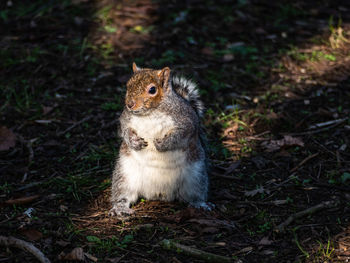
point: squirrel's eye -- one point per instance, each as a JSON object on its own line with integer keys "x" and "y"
{"x": 152, "y": 90}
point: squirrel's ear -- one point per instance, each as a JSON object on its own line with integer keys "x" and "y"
{"x": 135, "y": 68}
{"x": 164, "y": 76}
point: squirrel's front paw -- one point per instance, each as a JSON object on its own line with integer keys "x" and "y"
{"x": 120, "y": 211}
{"x": 160, "y": 144}
{"x": 137, "y": 143}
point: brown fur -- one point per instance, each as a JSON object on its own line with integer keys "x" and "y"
{"x": 137, "y": 88}
{"x": 124, "y": 149}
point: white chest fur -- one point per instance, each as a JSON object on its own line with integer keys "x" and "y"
{"x": 153, "y": 174}
{"x": 151, "y": 126}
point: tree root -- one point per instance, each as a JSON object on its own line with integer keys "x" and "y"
{"x": 206, "y": 256}
{"x": 15, "y": 242}
{"x": 310, "y": 210}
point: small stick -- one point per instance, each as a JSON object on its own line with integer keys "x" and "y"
{"x": 224, "y": 176}
{"x": 311, "y": 210}
{"x": 206, "y": 256}
{"x": 315, "y": 131}
{"x": 303, "y": 162}
{"x": 74, "y": 125}
{"x": 327, "y": 123}
{"x": 15, "y": 242}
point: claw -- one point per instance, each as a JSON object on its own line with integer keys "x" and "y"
{"x": 203, "y": 205}
{"x": 121, "y": 211}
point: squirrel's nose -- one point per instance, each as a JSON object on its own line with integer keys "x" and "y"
{"x": 130, "y": 104}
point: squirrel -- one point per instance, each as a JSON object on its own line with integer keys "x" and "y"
{"x": 162, "y": 155}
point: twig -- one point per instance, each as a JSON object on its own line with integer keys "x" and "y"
{"x": 74, "y": 125}
{"x": 303, "y": 162}
{"x": 315, "y": 131}
{"x": 27, "y": 186}
{"x": 15, "y": 242}
{"x": 311, "y": 210}
{"x": 30, "y": 185}
{"x": 257, "y": 137}
{"x": 206, "y": 256}
{"x": 327, "y": 123}
{"x": 224, "y": 176}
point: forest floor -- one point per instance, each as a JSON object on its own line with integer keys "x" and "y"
{"x": 274, "y": 76}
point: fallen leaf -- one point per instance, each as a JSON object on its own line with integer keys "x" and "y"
{"x": 76, "y": 254}
{"x": 7, "y": 139}
{"x": 279, "y": 202}
{"x": 213, "y": 223}
{"x": 225, "y": 194}
{"x": 47, "y": 109}
{"x": 62, "y": 243}
{"x": 230, "y": 132}
{"x": 265, "y": 241}
{"x": 260, "y": 31}
{"x": 113, "y": 260}
{"x": 274, "y": 145}
{"x": 32, "y": 234}
{"x": 63, "y": 208}
{"x": 232, "y": 167}
{"x": 259, "y": 161}
{"x": 22, "y": 200}
{"x": 91, "y": 257}
{"x": 183, "y": 215}
{"x": 43, "y": 121}
{"x": 267, "y": 252}
{"x": 29, "y": 212}
{"x": 228, "y": 57}
{"x": 210, "y": 230}
{"x": 254, "y": 192}
{"x": 243, "y": 250}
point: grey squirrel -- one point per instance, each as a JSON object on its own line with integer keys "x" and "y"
{"x": 162, "y": 156}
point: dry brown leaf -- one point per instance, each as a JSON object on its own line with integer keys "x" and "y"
{"x": 76, "y": 254}
{"x": 230, "y": 132}
{"x": 32, "y": 234}
{"x": 22, "y": 200}
{"x": 7, "y": 139}
{"x": 274, "y": 145}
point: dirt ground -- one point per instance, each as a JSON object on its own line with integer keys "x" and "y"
{"x": 274, "y": 76}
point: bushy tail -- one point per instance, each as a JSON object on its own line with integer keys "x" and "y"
{"x": 188, "y": 90}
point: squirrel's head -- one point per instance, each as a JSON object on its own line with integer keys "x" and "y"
{"x": 146, "y": 89}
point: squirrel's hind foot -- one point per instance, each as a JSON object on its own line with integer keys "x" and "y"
{"x": 121, "y": 211}
{"x": 203, "y": 205}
